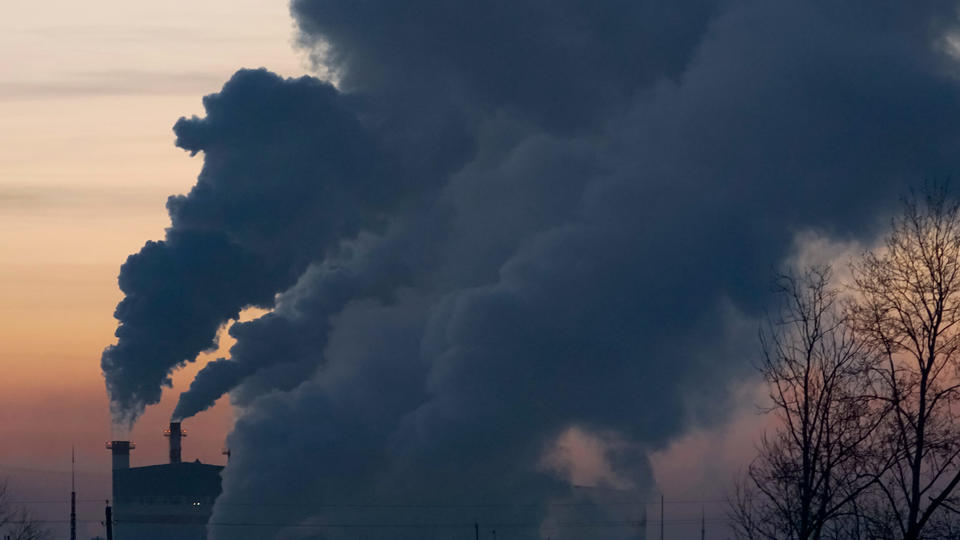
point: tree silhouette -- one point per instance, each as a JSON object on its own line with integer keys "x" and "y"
{"x": 17, "y": 523}
{"x": 908, "y": 308}
{"x": 810, "y": 471}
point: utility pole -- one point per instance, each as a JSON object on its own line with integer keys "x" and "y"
{"x": 476, "y": 530}
{"x": 73, "y": 494}
{"x": 109, "y": 517}
{"x": 703, "y": 524}
{"x": 661, "y": 516}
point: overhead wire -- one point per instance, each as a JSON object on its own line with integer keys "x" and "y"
{"x": 374, "y": 525}
{"x": 411, "y": 505}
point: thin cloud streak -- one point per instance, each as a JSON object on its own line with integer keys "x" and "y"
{"x": 111, "y": 83}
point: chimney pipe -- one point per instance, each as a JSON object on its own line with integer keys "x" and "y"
{"x": 121, "y": 453}
{"x": 109, "y": 521}
{"x": 176, "y": 434}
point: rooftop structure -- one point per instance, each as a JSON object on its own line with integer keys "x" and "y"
{"x": 172, "y": 500}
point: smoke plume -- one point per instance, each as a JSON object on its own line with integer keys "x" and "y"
{"x": 509, "y": 222}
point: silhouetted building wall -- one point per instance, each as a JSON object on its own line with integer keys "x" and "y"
{"x": 164, "y": 502}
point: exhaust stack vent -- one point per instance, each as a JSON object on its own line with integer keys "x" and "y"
{"x": 121, "y": 453}
{"x": 176, "y": 434}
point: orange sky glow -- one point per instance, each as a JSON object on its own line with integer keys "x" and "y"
{"x": 88, "y": 95}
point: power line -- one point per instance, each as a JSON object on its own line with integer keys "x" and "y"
{"x": 465, "y": 524}
{"x": 56, "y": 501}
{"x": 411, "y": 505}
{"x": 64, "y": 472}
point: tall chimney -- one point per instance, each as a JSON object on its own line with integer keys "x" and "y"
{"x": 121, "y": 453}
{"x": 176, "y": 434}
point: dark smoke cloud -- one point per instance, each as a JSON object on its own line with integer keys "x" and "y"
{"x": 289, "y": 174}
{"x": 514, "y": 220}
{"x": 562, "y": 64}
{"x": 289, "y": 338}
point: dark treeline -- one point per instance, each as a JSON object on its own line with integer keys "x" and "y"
{"x": 864, "y": 376}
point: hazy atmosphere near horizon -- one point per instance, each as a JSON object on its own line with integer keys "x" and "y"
{"x": 89, "y": 92}
{"x": 444, "y": 269}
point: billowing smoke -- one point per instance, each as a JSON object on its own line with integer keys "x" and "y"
{"x": 289, "y": 174}
{"x": 513, "y": 221}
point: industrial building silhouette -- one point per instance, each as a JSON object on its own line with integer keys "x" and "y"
{"x": 161, "y": 502}
{"x": 175, "y": 500}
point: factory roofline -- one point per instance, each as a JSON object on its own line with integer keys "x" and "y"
{"x": 169, "y": 480}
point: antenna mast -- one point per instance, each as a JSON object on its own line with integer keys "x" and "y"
{"x": 73, "y": 493}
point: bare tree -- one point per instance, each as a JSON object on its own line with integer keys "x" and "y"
{"x": 908, "y": 306}
{"x": 25, "y": 527}
{"x": 6, "y": 512}
{"x": 808, "y": 474}
{"x": 17, "y": 523}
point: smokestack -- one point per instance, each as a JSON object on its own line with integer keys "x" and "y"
{"x": 121, "y": 453}
{"x": 176, "y": 434}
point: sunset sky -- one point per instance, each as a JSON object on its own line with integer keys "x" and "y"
{"x": 523, "y": 244}
{"x": 88, "y": 94}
